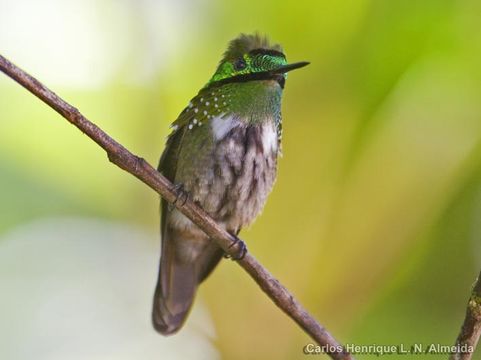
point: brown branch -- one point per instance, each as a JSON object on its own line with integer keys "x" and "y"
{"x": 471, "y": 330}
{"x": 138, "y": 167}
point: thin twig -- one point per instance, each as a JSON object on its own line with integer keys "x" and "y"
{"x": 138, "y": 167}
{"x": 471, "y": 330}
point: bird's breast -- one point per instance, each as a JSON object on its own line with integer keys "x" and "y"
{"x": 234, "y": 186}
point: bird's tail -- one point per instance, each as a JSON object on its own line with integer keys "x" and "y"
{"x": 175, "y": 288}
{"x": 178, "y": 278}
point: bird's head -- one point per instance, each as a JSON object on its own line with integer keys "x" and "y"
{"x": 250, "y": 58}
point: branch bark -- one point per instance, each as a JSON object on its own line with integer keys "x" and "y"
{"x": 138, "y": 167}
{"x": 471, "y": 329}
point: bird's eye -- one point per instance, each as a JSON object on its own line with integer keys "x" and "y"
{"x": 239, "y": 64}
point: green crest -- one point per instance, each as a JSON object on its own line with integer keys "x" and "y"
{"x": 248, "y": 55}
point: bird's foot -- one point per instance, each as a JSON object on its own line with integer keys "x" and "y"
{"x": 182, "y": 195}
{"x": 241, "y": 249}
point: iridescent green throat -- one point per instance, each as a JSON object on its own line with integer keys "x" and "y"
{"x": 252, "y": 102}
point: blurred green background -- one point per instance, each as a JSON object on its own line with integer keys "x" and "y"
{"x": 375, "y": 220}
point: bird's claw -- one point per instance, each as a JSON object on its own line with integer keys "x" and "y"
{"x": 242, "y": 250}
{"x": 181, "y": 195}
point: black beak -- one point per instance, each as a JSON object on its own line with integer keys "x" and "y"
{"x": 285, "y": 68}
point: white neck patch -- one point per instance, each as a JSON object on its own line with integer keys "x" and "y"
{"x": 222, "y": 124}
{"x": 269, "y": 137}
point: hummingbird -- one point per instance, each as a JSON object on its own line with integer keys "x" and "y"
{"x": 222, "y": 153}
